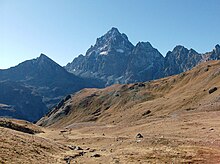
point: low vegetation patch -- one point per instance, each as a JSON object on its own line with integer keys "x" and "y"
{"x": 17, "y": 127}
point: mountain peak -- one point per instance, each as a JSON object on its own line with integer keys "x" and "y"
{"x": 114, "y": 30}
{"x": 178, "y": 48}
{"x": 192, "y": 51}
{"x": 44, "y": 59}
{"x": 112, "y": 34}
{"x": 217, "y": 47}
{"x": 112, "y": 41}
{"x": 144, "y": 44}
{"x": 43, "y": 56}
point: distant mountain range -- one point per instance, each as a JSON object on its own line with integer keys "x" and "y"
{"x": 31, "y": 88}
{"x": 114, "y": 59}
{"x": 35, "y": 86}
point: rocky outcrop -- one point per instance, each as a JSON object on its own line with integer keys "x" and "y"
{"x": 214, "y": 54}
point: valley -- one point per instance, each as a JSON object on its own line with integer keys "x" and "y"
{"x": 109, "y": 82}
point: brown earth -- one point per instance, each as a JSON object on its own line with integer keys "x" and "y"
{"x": 177, "y": 116}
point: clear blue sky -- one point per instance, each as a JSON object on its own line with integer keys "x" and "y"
{"x": 62, "y": 29}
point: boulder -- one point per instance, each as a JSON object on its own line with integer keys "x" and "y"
{"x": 146, "y": 113}
{"x": 139, "y": 135}
{"x": 96, "y": 155}
{"x": 213, "y": 90}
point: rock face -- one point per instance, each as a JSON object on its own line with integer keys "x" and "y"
{"x": 214, "y": 54}
{"x": 145, "y": 63}
{"x": 42, "y": 77}
{"x": 114, "y": 59}
{"x": 106, "y": 60}
{"x": 180, "y": 60}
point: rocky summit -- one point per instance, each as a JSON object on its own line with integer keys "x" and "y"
{"x": 214, "y": 54}
{"x": 106, "y": 60}
{"x": 180, "y": 60}
{"x": 114, "y": 59}
{"x": 145, "y": 63}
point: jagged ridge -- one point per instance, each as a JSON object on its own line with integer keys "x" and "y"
{"x": 114, "y": 59}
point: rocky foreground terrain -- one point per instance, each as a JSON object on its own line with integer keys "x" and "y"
{"x": 171, "y": 120}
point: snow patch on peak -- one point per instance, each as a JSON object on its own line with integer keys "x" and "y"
{"x": 104, "y": 53}
{"x": 120, "y": 50}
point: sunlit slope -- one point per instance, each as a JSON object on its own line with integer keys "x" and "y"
{"x": 142, "y": 102}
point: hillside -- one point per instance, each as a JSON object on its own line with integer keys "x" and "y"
{"x": 20, "y": 102}
{"x": 181, "y": 94}
{"x": 18, "y": 146}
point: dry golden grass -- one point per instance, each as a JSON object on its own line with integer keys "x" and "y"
{"x": 128, "y": 103}
{"x": 21, "y": 147}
